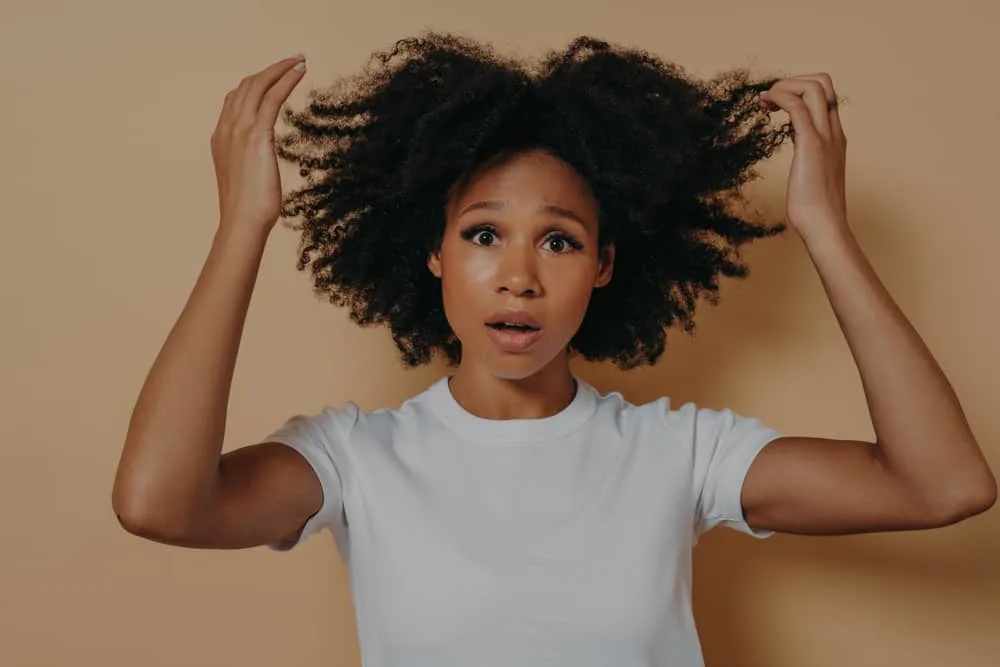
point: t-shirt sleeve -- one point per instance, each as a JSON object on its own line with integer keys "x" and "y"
{"x": 723, "y": 446}
{"x": 322, "y": 440}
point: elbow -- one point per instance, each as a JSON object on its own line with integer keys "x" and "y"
{"x": 981, "y": 496}
{"x": 965, "y": 501}
{"x": 987, "y": 497}
{"x": 148, "y": 520}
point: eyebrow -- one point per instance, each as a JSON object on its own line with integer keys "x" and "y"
{"x": 494, "y": 205}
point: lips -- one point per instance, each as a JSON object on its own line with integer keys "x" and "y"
{"x": 514, "y": 320}
{"x": 513, "y": 331}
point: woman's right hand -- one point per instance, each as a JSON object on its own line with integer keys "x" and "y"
{"x": 246, "y": 166}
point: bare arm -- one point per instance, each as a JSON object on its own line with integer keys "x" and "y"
{"x": 925, "y": 468}
{"x": 172, "y": 484}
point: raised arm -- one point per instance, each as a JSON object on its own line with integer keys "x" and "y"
{"x": 172, "y": 484}
{"x": 925, "y": 468}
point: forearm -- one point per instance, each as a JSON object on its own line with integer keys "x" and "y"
{"x": 175, "y": 436}
{"x": 921, "y": 431}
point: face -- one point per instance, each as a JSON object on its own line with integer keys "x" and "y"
{"x": 518, "y": 261}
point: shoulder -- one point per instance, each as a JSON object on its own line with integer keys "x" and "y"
{"x": 349, "y": 422}
{"x": 324, "y": 423}
{"x": 670, "y": 420}
{"x": 657, "y": 413}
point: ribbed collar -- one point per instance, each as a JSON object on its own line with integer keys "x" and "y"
{"x": 478, "y": 429}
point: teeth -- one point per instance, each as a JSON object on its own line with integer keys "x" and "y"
{"x": 515, "y": 325}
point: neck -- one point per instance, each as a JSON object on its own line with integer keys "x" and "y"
{"x": 543, "y": 394}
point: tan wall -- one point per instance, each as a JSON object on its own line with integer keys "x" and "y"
{"x": 108, "y": 207}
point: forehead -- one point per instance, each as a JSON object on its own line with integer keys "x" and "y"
{"x": 531, "y": 178}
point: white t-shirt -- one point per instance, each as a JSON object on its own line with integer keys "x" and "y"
{"x": 565, "y": 540}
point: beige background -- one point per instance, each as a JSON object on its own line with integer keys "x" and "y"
{"x": 108, "y": 209}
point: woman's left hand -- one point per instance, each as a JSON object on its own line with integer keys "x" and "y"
{"x": 816, "y": 197}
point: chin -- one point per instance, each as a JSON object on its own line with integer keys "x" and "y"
{"x": 516, "y": 371}
{"x": 517, "y": 366}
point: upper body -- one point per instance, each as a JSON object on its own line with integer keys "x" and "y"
{"x": 509, "y": 219}
{"x": 561, "y": 540}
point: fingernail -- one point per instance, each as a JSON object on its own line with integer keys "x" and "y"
{"x": 300, "y": 65}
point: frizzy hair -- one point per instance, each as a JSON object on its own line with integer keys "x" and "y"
{"x": 664, "y": 154}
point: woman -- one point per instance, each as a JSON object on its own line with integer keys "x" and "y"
{"x": 509, "y": 216}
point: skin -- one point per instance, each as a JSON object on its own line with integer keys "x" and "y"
{"x": 925, "y": 468}
{"x": 522, "y": 235}
{"x": 174, "y": 485}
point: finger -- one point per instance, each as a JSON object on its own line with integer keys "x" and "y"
{"x": 267, "y": 114}
{"x": 833, "y": 109}
{"x": 260, "y": 83}
{"x": 238, "y": 96}
{"x": 233, "y": 103}
{"x": 797, "y": 109}
{"x": 814, "y": 96}
{"x": 227, "y": 113}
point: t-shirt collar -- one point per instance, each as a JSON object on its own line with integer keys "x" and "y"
{"x": 514, "y": 431}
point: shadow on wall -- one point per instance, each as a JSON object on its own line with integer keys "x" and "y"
{"x": 773, "y": 314}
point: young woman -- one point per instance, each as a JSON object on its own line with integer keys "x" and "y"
{"x": 507, "y": 216}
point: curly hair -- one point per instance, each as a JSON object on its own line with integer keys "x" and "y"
{"x": 665, "y": 156}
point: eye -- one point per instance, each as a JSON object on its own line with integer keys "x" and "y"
{"x": 562, "y": 243}
{"x": 483, "y": 235}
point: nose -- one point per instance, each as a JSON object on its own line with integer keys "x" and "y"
{"x": 518, "y": 272}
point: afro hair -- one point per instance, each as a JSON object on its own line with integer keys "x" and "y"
{"x": 665, "y": 156}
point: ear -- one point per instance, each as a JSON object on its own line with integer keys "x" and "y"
{"x": 605, "y": 265}
{"x": 434, "y": 262}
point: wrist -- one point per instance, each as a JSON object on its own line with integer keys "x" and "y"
{"x": 242, "y": 232}
{"x": 825, "y": 232}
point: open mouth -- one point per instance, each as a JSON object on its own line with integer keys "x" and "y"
{"x": 514, "y": 320}
{"x": 513, "y": 326}
{"x": 514, "y": 331}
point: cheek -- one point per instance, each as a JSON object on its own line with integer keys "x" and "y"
{"x": 460, "y": 262}
{"x": 464, "y": 279}
{"x": 571, "y": 290}
{"x": 470, "y": 268}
